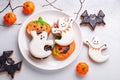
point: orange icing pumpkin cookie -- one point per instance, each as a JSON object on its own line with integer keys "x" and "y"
{"x": 38, "y": 26}
{"x": 63, "y": 52}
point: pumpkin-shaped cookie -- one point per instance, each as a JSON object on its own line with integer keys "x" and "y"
{"x": 39, "y": 26}
{"x": 63, "y": 52}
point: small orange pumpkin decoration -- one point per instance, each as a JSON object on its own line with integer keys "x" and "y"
{"x": 28, "y": 7}
{"x": 10, "y": 18}
{"x": 82, "y": 68}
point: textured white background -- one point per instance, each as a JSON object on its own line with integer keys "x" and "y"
{"x": 110, "y": 33}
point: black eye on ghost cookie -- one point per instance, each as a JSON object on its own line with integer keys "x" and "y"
{"x": 93, "y": 20}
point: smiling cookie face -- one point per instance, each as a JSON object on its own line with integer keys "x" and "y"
{"x": 95, "y": 42}
{"x": 63, "y": 23}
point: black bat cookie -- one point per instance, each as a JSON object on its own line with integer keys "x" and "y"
{"x": 5, "y": 56}
{"x": 92, "y": 19}
{"x": 7, "y": 64}
{"x": 12, "y": 68}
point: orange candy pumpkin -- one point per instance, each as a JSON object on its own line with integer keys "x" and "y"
{"x": 10, "y": 18}
{"x": 82, "y": 68}
{"x": 28, "y": 7}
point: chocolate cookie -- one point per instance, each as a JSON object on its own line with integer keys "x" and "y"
{"x": 92, "y": 19}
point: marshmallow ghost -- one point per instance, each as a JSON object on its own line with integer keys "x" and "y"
{"x": 95, "y": 48}
{"x": 65, "y": 30}
{"x": 38, "y": 43}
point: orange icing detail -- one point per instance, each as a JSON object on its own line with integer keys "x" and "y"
{"x": 95, "y": 48}
{"x": 65, "y": 29}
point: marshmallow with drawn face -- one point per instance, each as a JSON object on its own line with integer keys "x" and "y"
{"x": 65, "y": 29}
{"x": 38, "y": 43}
{"x": 95, "y": 48}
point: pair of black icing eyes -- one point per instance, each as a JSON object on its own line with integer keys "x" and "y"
{"x": 96, "y": 41}
{"x": 41, "y": 37}
{"x": 63, "y": 25}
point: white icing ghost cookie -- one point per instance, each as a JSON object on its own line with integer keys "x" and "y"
{"x": 95, "y": 48}
{"x": 38, "y": 43}
{"x": 65, "y": 30}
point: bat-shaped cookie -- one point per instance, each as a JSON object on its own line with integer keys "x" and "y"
{"x": 11, "y": 69}
{"x": 92, "y": 19}
{"x": 7, "y": 64}
{"x": 5, "y": 56}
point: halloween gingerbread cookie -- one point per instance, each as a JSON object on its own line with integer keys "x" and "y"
{"x": 63, "y": 52}
{"x": 65, "y": 31}
{"x": 95, "y": 49}
{"x": 38, "y": 43}
{"x": 7, "y": 64}
{"x": 38, "y": 26}
{"x": 93, "y": 20}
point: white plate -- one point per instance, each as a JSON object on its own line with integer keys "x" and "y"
{"x": 50, "y": 63}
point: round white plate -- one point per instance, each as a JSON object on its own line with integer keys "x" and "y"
{"x": 50, "y": 63}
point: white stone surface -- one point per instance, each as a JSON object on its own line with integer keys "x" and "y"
{"x": 110, "y": 33}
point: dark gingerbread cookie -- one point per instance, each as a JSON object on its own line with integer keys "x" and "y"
{"x": 8, "y": 65}
{"x": 12, "y": 68}
{"x": 5, "y": 56}
{"x": 92, "y": 19}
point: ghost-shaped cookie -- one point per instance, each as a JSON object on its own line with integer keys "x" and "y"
{"x": 65, "y": 29}
{"x": 95, "y": 49}
{"x": 38, "y": 43}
